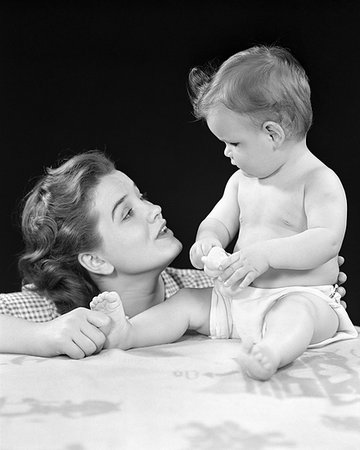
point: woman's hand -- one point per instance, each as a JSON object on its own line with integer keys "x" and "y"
{"x": 75, "y": 334}
{"x": 341, "y": 280}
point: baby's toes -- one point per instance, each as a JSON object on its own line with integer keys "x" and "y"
{"x": 112, "y": 300}
{"x": 94, "y": 302}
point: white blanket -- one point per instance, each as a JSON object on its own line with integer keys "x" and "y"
{"x": 187, "y": 395}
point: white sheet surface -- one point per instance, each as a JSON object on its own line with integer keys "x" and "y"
{"x": 187, "y": 395}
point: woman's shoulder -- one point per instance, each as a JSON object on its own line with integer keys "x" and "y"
{"x": 28, "y": 304}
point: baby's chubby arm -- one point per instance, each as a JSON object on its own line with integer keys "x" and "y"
{"x": 166, "y": 322}
{"x": 220, "y": 226}
{"x": 325, "y": 209}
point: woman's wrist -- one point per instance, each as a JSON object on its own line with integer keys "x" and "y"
{"x": 44, "y": 340}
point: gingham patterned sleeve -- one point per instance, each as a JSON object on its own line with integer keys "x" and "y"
{"x": 28, "y": 305}
{"x": 175, "y": 279}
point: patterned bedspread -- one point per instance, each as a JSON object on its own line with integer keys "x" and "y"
{"x": 187, "y": 395}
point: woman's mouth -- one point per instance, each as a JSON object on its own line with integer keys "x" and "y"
{"x": 163, "y": 232}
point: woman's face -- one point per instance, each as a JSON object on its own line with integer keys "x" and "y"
{"x": 134, "y": 235}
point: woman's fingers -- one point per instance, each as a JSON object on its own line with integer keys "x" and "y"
{"x": 86, "y": 345}
{"x": 342, "y": 278}
{"x": 72, "y": 350}
{"x": 95, "y": 335}
{"x": 341, "y": 291}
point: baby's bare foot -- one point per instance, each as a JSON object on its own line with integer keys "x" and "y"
{"x": 261, "y": 362}
{"x": 110, "y": 303}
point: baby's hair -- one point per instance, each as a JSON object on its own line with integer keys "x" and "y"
{"x": 263, "y": 82}
{"x": 57, "y": 224}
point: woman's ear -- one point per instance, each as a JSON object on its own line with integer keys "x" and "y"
{"x": 93, "y": 263}
{"x": 275, "y": 132}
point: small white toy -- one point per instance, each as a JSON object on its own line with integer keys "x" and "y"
{"x": 213, "y": 261}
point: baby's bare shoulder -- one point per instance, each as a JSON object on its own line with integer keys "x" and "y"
{"x": 322, "y": 177}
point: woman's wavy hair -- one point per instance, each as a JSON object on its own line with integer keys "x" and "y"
{"x": 58, "y": 224}
{"x": 263, "y": 82}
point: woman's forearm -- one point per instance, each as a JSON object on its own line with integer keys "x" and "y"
{"x": 22, "y": 336}
{"x": 77, "y": 334}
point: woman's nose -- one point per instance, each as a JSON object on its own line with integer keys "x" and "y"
{"x": 154, "y": 213}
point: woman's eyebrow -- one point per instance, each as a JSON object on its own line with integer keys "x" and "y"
{"x": 118, "y": 203}
{"x": 121, "y": 200}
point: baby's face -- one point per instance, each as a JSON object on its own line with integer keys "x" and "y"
{"x": 249, "y": 147}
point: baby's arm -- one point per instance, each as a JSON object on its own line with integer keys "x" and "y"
{"x": 220, "y": 226}
{"x": 75, "y": 334}
{"x": 161, "y": 324}
{"x": 325, "y": 209}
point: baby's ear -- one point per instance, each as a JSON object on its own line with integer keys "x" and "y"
{"x": 93, "y": 263}
{"x": 275, "y": 132}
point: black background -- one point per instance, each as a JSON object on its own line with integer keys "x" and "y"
{"x": 112, "y": 75}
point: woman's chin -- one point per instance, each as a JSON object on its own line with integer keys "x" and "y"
{"x": 173, "y": 249}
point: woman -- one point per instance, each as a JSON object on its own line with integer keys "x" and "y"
{"x": 87, "y": 228}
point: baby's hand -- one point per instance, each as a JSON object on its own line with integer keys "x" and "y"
{"x": 246, "y": 265}
{"x": 213, "y": 261}
{"x": 200, "y": 249}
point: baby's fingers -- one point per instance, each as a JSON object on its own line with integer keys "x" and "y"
{"x": 195, "y": 256}
{"x": 236, "y": 276}
{"x": 226, "y": 263}
{"x": 205, "y": 248}
{"x": 250, "y": 277}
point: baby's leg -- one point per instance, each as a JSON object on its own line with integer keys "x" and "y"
{"x": 109, "y": 303}
{"x": 294, "y": 322}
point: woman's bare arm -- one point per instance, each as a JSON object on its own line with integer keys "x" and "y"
{"x": 75, "y": 334}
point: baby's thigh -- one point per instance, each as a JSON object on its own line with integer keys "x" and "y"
{"x": 325, "y": 319}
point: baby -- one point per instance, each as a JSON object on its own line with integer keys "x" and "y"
{"x": 275, "y": 292}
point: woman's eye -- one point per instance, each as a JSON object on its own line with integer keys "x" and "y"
{"x": 128, "y": 214}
